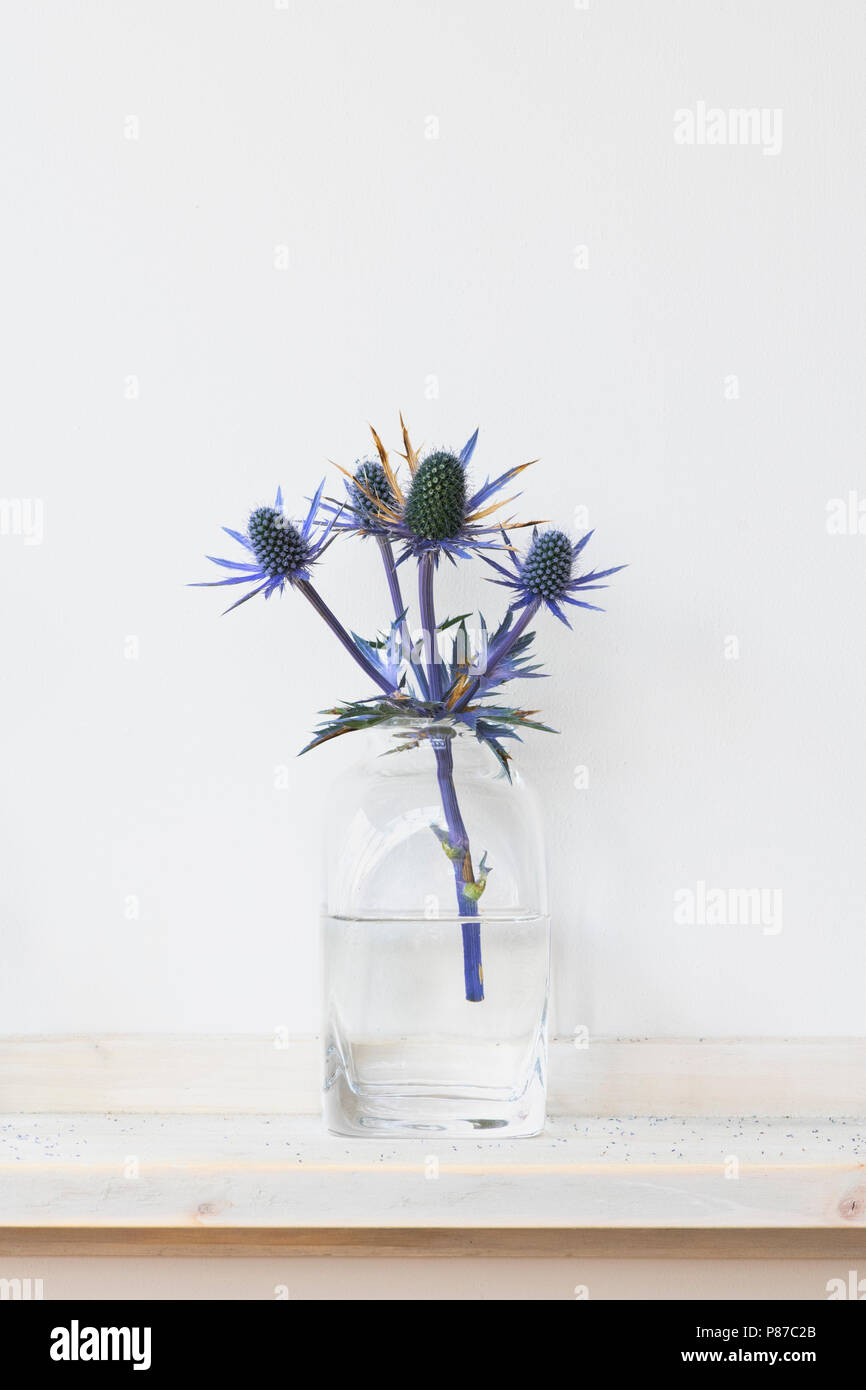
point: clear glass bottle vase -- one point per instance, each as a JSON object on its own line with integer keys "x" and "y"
{"x": 435, "y": 941}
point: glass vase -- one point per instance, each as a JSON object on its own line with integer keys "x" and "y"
{"x": 435, "y": 941}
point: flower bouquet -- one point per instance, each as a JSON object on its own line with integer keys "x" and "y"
{"x": 435, "y": 684}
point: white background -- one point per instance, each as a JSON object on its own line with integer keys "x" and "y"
{"x": 412, "y": 258}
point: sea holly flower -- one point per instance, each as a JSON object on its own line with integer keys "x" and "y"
{"x": 438, "y": 512}
{"x": 283, "y": 551}
{"x": 438, "y": 515}
{"x": 544, "y": 578}
{"x": 368, "y": 495}
{"x": 436, "y": 504}
{"x": 545, "y": 575}
{"x": 367, "y": 491}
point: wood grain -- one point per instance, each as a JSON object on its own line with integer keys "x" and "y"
{"x": 214, "y": 1146}
{"x": 244, "y": 1074}
{"x": 491, "y": 1242}
{"x": 234, "y": 1184}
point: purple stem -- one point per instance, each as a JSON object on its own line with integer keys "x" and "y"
{"x": 472, "y": 972}
{"x": 391, "y": 575}
{"x": 499, "y": 651}
{"x": 428, "y": 624}
{"x": 457, "y": 835}
{"x": 342, "y": 635}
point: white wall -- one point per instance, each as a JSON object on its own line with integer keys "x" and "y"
{"x": 306, "y": 126}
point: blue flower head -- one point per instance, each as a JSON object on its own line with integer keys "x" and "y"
{"x": 282, "y": 550}
{"x": 367, "y": 491}
{"x": 435, "y": 507}
{"x": 545, "y": 575}
{"x": 437, "y": 512}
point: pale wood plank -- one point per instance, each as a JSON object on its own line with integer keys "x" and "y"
{"x": 272, "y": 1075}
{"x": 116, "y": 1181}
{"x": 222, "y": 1167}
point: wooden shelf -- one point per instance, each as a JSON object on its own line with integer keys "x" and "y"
{"x": 258, "y": 1185}
{"x": 213, "y": 1146}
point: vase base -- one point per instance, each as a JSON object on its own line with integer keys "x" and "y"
{"x": 407, "y": 1055}
{"x": 419, "y": 1111}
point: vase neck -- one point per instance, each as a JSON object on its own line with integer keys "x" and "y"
{"x": 436, "y": 735}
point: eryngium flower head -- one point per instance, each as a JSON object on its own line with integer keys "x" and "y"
{"x": 545, "y": 574}
{"x": 369, "y": 497}
{"x": 546, "y": 570}
{"x": 368, "y": 491}
{"x": 438, "y": 513}
{"x": 282, "y": 550}
{"x": 436, "y": 505}
{"x": 277, "y": 544}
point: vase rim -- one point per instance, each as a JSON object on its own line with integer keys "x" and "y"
{"x": 430, "y": 726}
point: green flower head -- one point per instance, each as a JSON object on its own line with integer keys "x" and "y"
{"x": 436, "y": 504}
